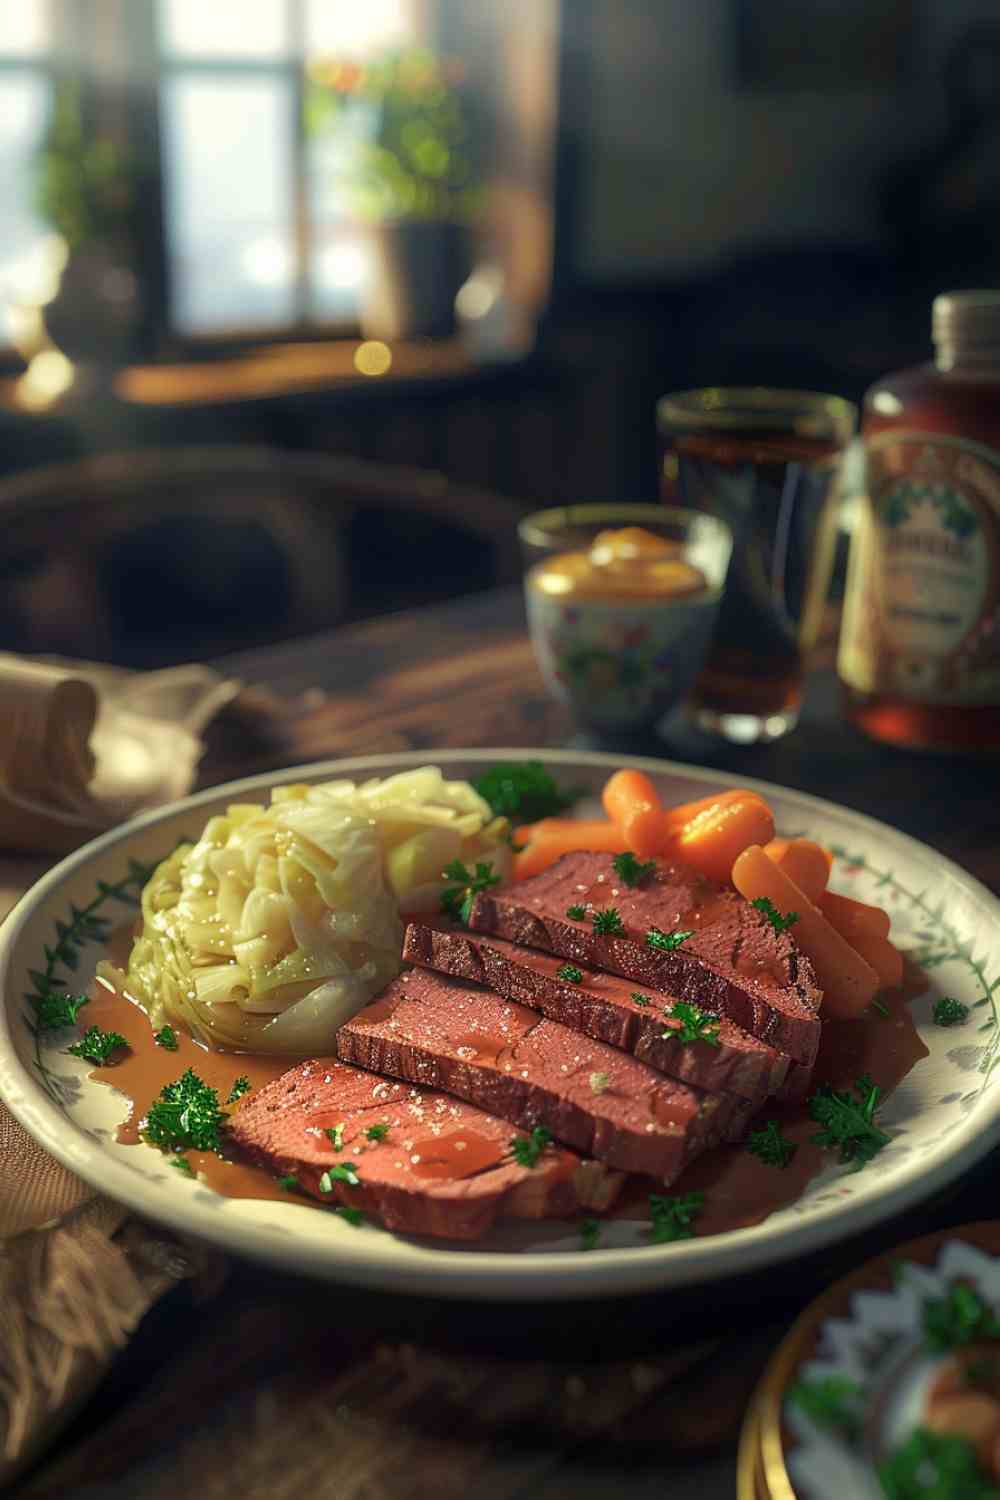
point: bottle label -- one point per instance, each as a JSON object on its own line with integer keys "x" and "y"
{"x": 922, "y": 609}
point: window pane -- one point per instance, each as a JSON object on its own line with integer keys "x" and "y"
{"x": 229, "y": 200}
{"x": 357, "y": 30}
{"x": 24, "y": 27}
{"x": 24, "y": 100}
{"x": 226, "y": 28}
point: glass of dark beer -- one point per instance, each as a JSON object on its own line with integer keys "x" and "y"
{"x": 766, "y": 463}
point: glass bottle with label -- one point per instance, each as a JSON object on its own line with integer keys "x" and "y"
{"x": 919, "y": 654}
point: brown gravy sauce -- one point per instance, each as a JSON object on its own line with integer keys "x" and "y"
{"x": 739, "y": 1189}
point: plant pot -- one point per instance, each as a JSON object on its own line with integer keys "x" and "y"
{"x": 417, "y": 269}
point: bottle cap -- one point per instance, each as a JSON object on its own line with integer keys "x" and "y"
{"x": 966, "y": 323}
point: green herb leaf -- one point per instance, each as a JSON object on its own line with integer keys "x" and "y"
{"x": 833, "y": 1401}
{"x": 960, "y": 1318}
{"x": 879, "y": 1008}
{"x": 949, "y": 1012}
{"x": 672, "y": 1217}
{"x": 166, "y": 1037}
{"x": 98, "y": 1046}
{"x": 53, "y": 1011}
{"x": 526, "y": 1149}
{"x": 183, "y": 1165}
{"x": 773, "y": 1148}
{"x": 576, "y": 913}
{"x": 456, "y": 900}
{"x": 186, "y": 1114}
{"x": 697, "y": 1025}
{"x": 344, "y": 1171}
{"x": 240, "y": 1086}
{"x": 935, "y": 1466}
{"x": 570, "y": 973}
{"x": 590, "y": 1233}
{"x": 599, "y": 1082}
{"x": 525, "y": 788}
{"x": 848, "y": 1121}
{"x": 778, "y": 922}
{"x": 289, "y": 1182}
{"x": 377, "y": 1132}
{"x": 335, "y": 1135}
{"x": 352, "y": 1216}
{"x": 631, "y": 870}
{"x": 640, "y": 999}
{"x": 608, "y": 921}
{"x": 666, "y": 942}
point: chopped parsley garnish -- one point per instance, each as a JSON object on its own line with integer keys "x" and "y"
{"x": 697, "y": 1025}
{"x": 335, "y": 1135}
{"x": 832, "y": 1401}
{"x": 526, "y": 1149}
{"x": 289, "y": 1182}
{"x": 53, "y": 1011}
{"x": 672, "y": 1217}
{"x": 599, "y": 1082}
{"x": 240, "y": 1086}
{"x": 186, "y": 1114}
{"x": 630, "y": 869}
{"x": 848, "y": 1121}
{"x": 166, "y": 1037}
{"x": 640, "y": 999}
{"x": 344, "y": 1171}
{"x": 570, "y": 972}
{"x": 590, "y": 1233}
{"x": 608, "y": 921}
{"x": 456, "y": 900}
{"x": 666, "y": 942}
{"x": 576, "y": 913}
{"x": 949, "y": 1012}
{"x": 765, "y": 905}
{"x": 879, "y": 1008}
{"x": 961, "y": 1317}
{"x": 935, "y": 1466}
{"x": 525, "y": 788}
{"x": 352, "y": 1216}
{"x": 773, "y": 1148}
{"x": 98, "y": 1046}
{"x": 377, "y": 1132}
{"x": 183, "y": 1165}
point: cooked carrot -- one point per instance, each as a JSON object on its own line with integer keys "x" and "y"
{"x": 806, "y": 863}
{"x": 684, "y": 812}
{"x": 631, "y": 801}
{"x": 714, "y": 837}
{"x": 854, "y": 919}
{"x": 849, "y": 984}
{"x": 884, "y": 958}
{"x": 557, "y": 836}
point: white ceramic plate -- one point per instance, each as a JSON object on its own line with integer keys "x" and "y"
{"x": 943, "y": 1117}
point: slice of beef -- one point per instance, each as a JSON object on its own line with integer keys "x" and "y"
{"x": 734, "y": 963}
{"x": 510, "y": 1061}
{"x": 440, "y": 1168}
{"x": 602, "y": 1006}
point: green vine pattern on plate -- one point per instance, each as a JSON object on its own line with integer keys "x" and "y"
{"x": 942, "y": 944}
{"x": 84, "y": 926}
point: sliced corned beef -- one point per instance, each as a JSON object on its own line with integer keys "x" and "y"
{"x": 435, "y": 1166}
{"x": 508, "y": 1060}
{"x": 602, "y": 1006}
{"x": 734, "y": 963}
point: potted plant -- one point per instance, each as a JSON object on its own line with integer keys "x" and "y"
{"x": 407, "y": 154}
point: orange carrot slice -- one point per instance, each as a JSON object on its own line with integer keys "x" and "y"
{"x": 884, "y": 958}
{"x": 849, "y": 984}
{"x": 717, "y": 835}
{"x": 806, "y": 863}
{"x": 854, "y": 919}
{"x": 685, "y": 812}
{"x": 558, "y": 836}
{"x": 631, "y": 801}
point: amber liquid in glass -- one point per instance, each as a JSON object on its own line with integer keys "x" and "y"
{"x": 960, "y": 403}
{"x": 772, "y": 488}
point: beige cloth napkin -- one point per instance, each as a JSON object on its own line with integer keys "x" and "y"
{"x": 82, "y": 746}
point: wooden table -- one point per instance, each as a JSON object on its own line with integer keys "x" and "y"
{"x": 298, "y": 1389}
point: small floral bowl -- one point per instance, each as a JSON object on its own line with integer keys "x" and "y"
{"x": 621, "y": 663}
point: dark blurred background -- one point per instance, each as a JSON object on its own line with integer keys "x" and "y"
{"x": 303, "y": 302}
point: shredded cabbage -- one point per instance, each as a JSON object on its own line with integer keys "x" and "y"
{"x": 282, "y": 921}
